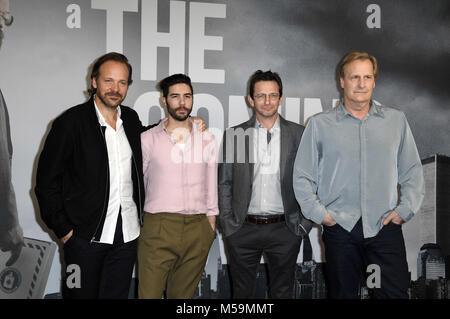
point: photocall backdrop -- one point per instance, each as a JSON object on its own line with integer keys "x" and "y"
{"x": 47, "y": 52}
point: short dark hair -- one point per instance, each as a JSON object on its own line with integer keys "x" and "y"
{"x": 111, "y": 56}
{"x": 167, "y": 82}
{"x": 264, "y": 76}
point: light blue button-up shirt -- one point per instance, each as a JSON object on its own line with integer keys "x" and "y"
{"x": 354, "y": 169}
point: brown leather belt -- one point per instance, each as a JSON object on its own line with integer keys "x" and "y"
{"x": 261, "y": 220}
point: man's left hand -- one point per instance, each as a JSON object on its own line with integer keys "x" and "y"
{"x": 393, "y": 217}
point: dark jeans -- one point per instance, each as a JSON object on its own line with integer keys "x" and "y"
{"x": 245, "y": 248}
{"x": 348, "y": 254}
{"x": 105, "y": 270}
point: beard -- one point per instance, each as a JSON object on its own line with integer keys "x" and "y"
{"x": 179, "y": 117}
{"x": 109, "y": 103}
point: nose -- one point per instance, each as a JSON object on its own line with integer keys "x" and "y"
{"x": 362, "y": 83}
{"x": 115, "y": 86}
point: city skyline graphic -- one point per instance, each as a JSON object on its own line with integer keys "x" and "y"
{"x": 426, "y": 238}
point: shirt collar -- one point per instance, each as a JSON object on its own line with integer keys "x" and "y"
{"x": 275, "y": 126}
{"x": 375, "y": 109}
{"x": 162, "y": 126}
{"x": 100, "y": 117}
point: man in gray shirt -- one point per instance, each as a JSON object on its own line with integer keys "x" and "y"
{"x": 11, "y": 237}
{"x": 348, "y": 168}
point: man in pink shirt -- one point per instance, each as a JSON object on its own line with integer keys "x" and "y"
{"x": 180, "y": 178}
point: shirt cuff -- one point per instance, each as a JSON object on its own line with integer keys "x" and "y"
{"x": 12, "y": 236}
{"x": 212, "y": 212}
{"x": 319, "y": 216}
{"x": 405, "y": 213}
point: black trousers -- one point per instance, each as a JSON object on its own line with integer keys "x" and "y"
{"x": 348, "y": 254}
{"x": 245, "y": 248}
{"x": 105, "y": 270}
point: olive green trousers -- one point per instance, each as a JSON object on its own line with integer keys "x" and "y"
{"x": 172, "y": 253}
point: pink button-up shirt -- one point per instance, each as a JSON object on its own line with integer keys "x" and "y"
{"x": 179, "y": 178}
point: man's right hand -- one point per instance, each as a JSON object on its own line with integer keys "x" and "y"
{"x": 67, "y": 237}
{"x": 12, "y": 240}
{"x": 328, "y": 220}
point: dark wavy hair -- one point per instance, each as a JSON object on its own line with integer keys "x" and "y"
{"x": 264, "y": 76}
{"x": 166, "y": 83}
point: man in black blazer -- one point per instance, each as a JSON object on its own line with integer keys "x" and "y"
{"x": 258, "y": 210}
{"x": 89, "y": 185}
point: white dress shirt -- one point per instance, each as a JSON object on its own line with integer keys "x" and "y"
{"x": 266, "y": 187}
{"x": 120, "y": 183}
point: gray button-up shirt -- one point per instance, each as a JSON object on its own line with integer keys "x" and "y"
{"x": 352, "y": 168}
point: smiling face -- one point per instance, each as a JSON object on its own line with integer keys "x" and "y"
{"x": 358, "y": 82}
{"x": 266, "y": 99}
{"x": 111, "y": 84}
{"x": 179, "y": 101}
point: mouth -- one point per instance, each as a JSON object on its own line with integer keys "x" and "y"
{"x": 114, "y": 96}
{"x": 267, "y": 108}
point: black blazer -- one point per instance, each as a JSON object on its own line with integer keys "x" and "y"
{"x": 72, "y": 182}
{"x": 236, "y": 175}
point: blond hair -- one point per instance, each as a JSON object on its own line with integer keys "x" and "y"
{"x": 357, "y": 55}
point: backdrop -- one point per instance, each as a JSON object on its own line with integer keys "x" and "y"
{"x": 47, "y": 51}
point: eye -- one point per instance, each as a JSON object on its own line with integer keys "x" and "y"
{"x": 273, "y": 96}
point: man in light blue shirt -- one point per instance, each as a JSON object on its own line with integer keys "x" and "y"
{"x": 359, "y": 174}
